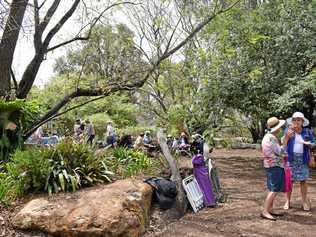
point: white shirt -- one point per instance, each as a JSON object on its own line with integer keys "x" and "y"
{"x": 298, "y": 144}
{"x": 109, "y": 130}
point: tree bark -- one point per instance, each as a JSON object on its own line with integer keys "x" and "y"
{"x": 8, "y": 44}
{"x": 254, "y": 133}
{"x": 181, "y": 200}
{"x": 41, "y": 47}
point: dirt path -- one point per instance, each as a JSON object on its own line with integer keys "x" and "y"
{"x": 243, "y": 179}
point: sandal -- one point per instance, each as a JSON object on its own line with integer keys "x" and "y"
{"x": 306, "y": 206}
{"x": 286, "y": 206}
{"x": 277, "y": 214}
{"x": 267, "y": 218}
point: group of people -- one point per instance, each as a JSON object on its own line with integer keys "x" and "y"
{"x": 286, "y": 160}
{"x": 183, "y": 144}
{"x": 84, "y": 130}
{"x": 144, "y": 141}
{"x": 44, "y": 138}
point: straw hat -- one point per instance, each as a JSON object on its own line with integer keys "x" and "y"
{"x": 298, "y": 115}
{"x": 274, "y": 124}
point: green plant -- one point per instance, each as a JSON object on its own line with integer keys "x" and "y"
{"x": 73, "y": 166}
{"x": 21, "y": 114}
{"x": 24, "y": 173}
{"x": 66, "y": 167}
{"x": 126, "y": 162}
{"x": 28, "y": 169}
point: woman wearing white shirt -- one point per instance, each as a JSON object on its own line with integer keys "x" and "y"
{"x": 298, "y": 141}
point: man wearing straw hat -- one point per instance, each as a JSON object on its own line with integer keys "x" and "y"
{"x": 273, "y": 163}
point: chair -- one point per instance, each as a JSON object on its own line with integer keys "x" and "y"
{"x": 194, "y": 193}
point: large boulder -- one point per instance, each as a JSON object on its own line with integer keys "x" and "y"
{"x": 118, "y": 209}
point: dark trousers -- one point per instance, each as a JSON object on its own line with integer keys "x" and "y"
{"x": 90, "y": 139}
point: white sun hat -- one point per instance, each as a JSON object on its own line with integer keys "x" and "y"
{"x": 298, "y": 115}
{"x": 274, "y": 124}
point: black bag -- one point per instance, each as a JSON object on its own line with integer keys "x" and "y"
{"x": 165, "y": 191}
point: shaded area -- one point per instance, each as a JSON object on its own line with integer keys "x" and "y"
{"x": 243, "y": 180}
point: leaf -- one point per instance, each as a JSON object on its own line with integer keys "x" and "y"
{"x": 61, "y": 181}
{"x": 56, "y": 188}
{"x": 66, "y": 175}
{"x": 73, "y": 183}
{"x": 50, "y": 190}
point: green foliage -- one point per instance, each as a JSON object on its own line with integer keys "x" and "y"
{"x": 66, "y": 167}
{"x": 297, "y": 97}
{"x": 73, "y": 166}
{"x": 256, "y": 61}
{"x": 21, "y": 113}
{"x": 126, "y": 162}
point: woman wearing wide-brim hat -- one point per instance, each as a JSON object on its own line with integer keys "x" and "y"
{"x": 273, "y": 163}
{"x": 298, "y": 141}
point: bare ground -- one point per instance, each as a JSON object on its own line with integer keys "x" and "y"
{"x": 243, "y": 179}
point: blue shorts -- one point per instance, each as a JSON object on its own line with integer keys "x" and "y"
{"x": 275, "y": 179}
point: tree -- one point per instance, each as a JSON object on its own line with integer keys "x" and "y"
{"x": 8, "y": 44}
{"x": 153, "y": 63}
{"x": 258, "y": 54}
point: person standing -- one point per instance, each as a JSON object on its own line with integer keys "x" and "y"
{"x": 273, "y": 164}
{"x": 90, "y": 132}
{"x": 298, "y": 141}
{"x": 110, "y": 135}
{"x": 77, "y": 130}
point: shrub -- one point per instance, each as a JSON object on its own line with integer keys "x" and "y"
{"x": 66, "y": 167}
{"x": 28, "y": 169}
{"x": 126, "y": 162}
{"x": 73, "y": 166}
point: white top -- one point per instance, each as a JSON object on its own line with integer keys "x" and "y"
{"x": 109, "y": 130}
{"x": 298, "y": 144}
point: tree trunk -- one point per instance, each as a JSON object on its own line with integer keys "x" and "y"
{"x": 8, "y": 43}
{"x": 29, "y": 75}
{"x": 309, "y": 111}
{"x": 255, "y": 133}
{"x": 181, "y": 200}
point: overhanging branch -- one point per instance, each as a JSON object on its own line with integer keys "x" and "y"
{"x": 119, "y": 87}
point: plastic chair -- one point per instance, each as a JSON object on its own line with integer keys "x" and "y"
{"x": 194, "y": 193}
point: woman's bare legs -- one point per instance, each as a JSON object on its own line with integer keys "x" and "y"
{"x": 268, "y": 204}
{"x": 305, "y": 202}
{"x": 287, "y": 200}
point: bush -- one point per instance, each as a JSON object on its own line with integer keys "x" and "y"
{"x": 73, "y": 166}
{"x": 126, "y": 162}
{"x": 6, "y": 184}
{"x": 25, "y": 172}
{"x": 66, "y": 167}
{"x": 28, "y": 169}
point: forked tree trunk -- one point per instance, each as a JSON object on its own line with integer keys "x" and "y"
{"x": 8, "y": 43}
{"x": 181, "y": 200}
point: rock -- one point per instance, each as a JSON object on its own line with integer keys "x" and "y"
{"x": 118, "y": 209}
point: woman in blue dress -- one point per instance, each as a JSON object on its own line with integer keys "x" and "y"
{"x": 298, "y": 141}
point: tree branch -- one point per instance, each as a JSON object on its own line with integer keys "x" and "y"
{"x": 51, "y": 11}
{"x": 14, "y": 79}
{"x": 66, "y": 42}
{"x": 62, "y": 21}
{"x": 198, "y": 28}
{"x": 119, "y": 87}
{"x": 94, "y": 22}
